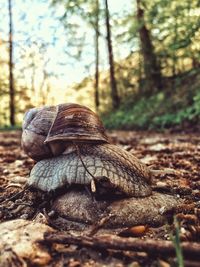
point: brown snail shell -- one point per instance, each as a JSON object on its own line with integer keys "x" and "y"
{"x": 76, "y": 122}
{"x": 49, "y": 130}
{"x": 36, "y": 125}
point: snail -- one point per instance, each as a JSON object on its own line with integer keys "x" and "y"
{"x": 76, "y": 207}
{"x": 71, "y": 147}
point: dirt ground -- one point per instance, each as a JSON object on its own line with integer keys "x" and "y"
{"x": 177, "y": 154}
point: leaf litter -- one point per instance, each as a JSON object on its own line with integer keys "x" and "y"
{"x": 177, "y": 156}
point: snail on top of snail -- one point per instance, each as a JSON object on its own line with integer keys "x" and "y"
{"x": 70, "y": 145}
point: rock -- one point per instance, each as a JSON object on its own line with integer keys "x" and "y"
{"x": 19, "y": 247}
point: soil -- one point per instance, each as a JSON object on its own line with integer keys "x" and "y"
{"x": 177, "y": 155}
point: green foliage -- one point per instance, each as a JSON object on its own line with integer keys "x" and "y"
{"x": 137, "y": 115}
{"x": 144, "y": 115}
{"x": 158, "y": 111}
{"x": 197, "y": 104}
{"x": 177, "y": 244}
{"x": 174, "y": 26}
{"x": 174, "y": 29}
{"x": 10, "y": 128}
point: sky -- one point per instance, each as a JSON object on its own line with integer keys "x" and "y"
{"x": 41, "y": 23}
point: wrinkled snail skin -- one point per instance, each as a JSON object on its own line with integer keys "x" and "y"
{"x": 123, "y": 170}
{"x": 77, "y": 206}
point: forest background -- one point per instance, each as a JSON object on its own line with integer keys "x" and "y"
{"x": 135, "y": 62}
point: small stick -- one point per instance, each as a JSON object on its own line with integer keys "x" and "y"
{"x": 14, "y": 185}
{"x": 160, "y": 247}
{"x": 163, "y": 171}
{"x": 18, "y": 194}
{"x": 100, "y": 224}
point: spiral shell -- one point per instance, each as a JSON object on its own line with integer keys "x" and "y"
{"x": 36, "y": 125}
{"x": 78, "y": 123}
{"x": 48, "y": 131}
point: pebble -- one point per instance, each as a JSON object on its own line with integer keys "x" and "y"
{"x": 11, "y": 205}
{"x": 18, "y": 163}
{"x": 18, "y": 201}
{"x": 163, "y": 263}
{"x": 166, "y": 236}
{"x": 40, "y": 218}
{"x": 74, "y": 263}
{"x": 24, "y": 216}
{"x": 162, "y": 210}
{"x": 161, "y": 184}
{"x": 6, "y": 171}
{"x": 157, "y": 147}
{"x": 182, "y": 230}
{"x": 51, "y": 213}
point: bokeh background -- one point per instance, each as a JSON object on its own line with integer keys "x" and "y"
{"x": 135, "y": 62}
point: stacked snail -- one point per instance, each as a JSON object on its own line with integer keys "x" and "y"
{"x": 70, "y": 145}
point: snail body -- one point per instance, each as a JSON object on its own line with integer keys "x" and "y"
{"x": 71, "y": 145}
{"x": 77, "y": 207}
{"x": 123, "y": 171}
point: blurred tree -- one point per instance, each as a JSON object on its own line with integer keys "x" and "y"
{"x": 89, "y": 13}
{"x": 171, "y": 30}
{"x": 97, "y": 33}
{"x": 157, "y": 40}
{"x": 176, "y": 29}
{"x": 11, "y": 78}
{"x": 34, "y": 64}
{"x": 151, "y": 67}
{"x": 114, "y": 93}
{"x": 4, "y": 77}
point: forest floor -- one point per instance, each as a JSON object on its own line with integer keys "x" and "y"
{"x": 178, "y": 154}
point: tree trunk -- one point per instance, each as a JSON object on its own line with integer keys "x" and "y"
{"x": 114, "y": 93}
{"x": 11, "y": 78}
{"x": 174, "y": 57}
{"x": 97, "y": 102}
{"x": 151, "y": 67}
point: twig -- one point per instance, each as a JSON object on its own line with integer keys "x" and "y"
{"x": 190, "y": 249}
{"x": 14, "y": 185}
{"x": 18, "y": 194}
{"x": 100, "y": 224}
